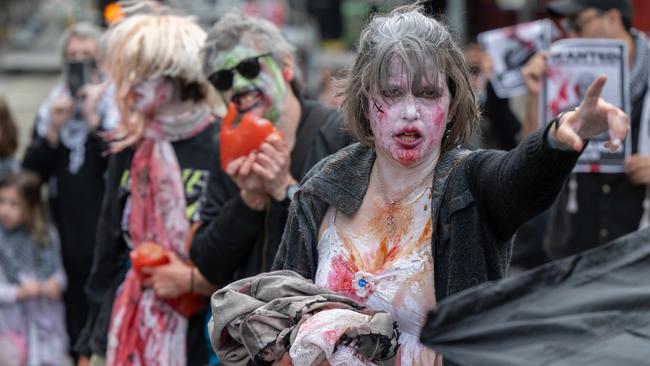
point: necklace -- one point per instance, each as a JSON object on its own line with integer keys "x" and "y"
{"x": 394, "y": 206}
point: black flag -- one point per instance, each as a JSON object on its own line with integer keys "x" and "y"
{"x": 589, "y": 309}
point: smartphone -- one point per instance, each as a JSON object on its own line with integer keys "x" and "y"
{"x": 79, "y": 73}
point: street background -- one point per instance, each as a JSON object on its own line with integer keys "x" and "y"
{"x": 323, "y": 31}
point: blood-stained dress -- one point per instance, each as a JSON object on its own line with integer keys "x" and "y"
{"x": 396, "y": 276}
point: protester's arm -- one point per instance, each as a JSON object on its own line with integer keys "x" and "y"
{"x": 176, "y": 278}
{"x": 513, "y": 187}
{"x": 230, "y": 228}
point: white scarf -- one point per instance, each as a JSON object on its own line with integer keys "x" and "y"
{"x": 74, "y": 133}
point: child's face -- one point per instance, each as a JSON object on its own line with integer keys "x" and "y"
{"x": 12, "y": 208}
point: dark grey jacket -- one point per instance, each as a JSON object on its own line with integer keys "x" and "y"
{"x": 479, "y": 198}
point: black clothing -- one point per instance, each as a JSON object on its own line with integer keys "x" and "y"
{"x": 111, "y": 261}
{"x": 481, "y": 200}
{"x": 235, "y": 241}
{"x": 499, "y": 126}
{"x": 75, "y": 201}
{"x": 589, "y": 309}
{"x": 609, "y": 206}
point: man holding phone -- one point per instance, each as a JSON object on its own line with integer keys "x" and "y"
{"x": 67, "y": 153}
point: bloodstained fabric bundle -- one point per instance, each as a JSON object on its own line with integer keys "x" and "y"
{"x": 589, "y": 309}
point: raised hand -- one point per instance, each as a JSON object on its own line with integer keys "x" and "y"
{"x": 60, "y": 112}
{"x": 593, "y": 117}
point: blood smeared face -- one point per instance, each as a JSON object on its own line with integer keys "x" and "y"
{"x": 408, "y": 121}
{"x": 262, "y": 95}
{"x": 150, "y": 95}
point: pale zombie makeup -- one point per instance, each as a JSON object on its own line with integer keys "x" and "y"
{"x": 407, "y": 121}
{"x": 262, "y": 95}
{"x": 149, "y": 95}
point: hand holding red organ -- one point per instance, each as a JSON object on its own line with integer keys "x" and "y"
{"x": 241, "y": 133}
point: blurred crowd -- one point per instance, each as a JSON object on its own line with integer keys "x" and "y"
{"x": 179, "y": 162}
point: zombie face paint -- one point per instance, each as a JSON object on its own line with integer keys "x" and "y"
{"x": 262, "y": 95}
{"x": 408, "y": 124}
{"x": 149, "y": 95}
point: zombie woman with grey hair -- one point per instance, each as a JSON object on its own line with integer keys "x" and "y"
{"x": 139, "y": 309}
{"x": 405, "y": 218}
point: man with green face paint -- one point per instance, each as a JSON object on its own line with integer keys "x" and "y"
{"x": 244, "y": 209}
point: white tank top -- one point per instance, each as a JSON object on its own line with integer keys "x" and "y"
{"x": 401, "y": 284}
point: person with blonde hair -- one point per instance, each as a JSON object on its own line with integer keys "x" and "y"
{"x": 156, "y": 175}
{"x": 405, "y": 217}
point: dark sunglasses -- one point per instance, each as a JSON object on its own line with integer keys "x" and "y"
{"x": 248, "y": 68}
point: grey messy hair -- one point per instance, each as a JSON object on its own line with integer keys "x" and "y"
{"x": 408, "y": 37}
{"x": 83, "y": 30}
{"x": 235, "y": 27}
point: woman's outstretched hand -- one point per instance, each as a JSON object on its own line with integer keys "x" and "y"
{"x": 592, "y": 117}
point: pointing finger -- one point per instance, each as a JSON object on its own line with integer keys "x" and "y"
{"x": 594, "y": 90}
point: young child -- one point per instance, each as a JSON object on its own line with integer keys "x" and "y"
{"x": 8, "y": 140}
{"x": 32, "y": 324}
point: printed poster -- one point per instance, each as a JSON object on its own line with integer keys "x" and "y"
{"x": 510, "y": 48}
{"x": 573, "y": 65}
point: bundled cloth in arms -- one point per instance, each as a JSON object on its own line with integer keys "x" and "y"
{"x": 257, "y": 320}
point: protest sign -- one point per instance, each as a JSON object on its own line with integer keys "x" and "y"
{"x": 573, "y": 64}
{"x": 510, "y": 48}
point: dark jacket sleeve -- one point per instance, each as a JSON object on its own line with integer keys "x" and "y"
{"x": 110, "y": 253}
{"x": 40, "y": 157}
{"x": 512, "y": 187}
{"x": 229, "y": 230}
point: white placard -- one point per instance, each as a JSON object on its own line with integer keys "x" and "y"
{"x": 573, "y": 64}
{"x": 510, "y": 48}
